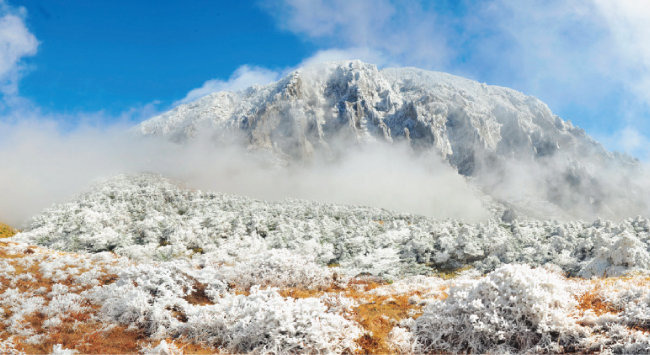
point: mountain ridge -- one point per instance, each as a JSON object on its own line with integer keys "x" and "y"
{"x": 484, "y": 132}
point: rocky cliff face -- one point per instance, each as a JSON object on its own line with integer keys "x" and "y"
{"x": 481, "y": 130}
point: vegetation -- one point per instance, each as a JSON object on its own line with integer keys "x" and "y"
{"x": 6, "y": 231}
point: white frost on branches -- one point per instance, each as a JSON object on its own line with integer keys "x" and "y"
{"x": 146, "y": 217}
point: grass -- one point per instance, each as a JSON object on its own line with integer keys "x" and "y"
{"x": 592, "y": 300}
{"x": 376, "y": 314}
{"x": 6, "y": 231}
{"x": 81, "y": 331}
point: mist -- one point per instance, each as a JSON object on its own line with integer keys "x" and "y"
{"x": 559, "y": 187}
{"x": 42, "y": 165}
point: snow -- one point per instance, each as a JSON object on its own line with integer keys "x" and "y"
{"x": 514, "y": 147}
{"x": 266, "y": 322}
{"x": 289, "y": 243}
{"x": 240, "y": 252}
{"x": 517, "y": 309}
{"x": 512, "y": 309}
{"x": 176, "y": 264}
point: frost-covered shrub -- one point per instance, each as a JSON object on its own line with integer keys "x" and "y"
{"x": 20, "y": 305}
{"x": 163, "y": 348}
{"x": 154, "y": 298}
{"x": 146, "y": 217}
{"x": 512, "y": 309}
{"x": 277, "y": 268}
{"x": 618, "y": 255}
{"x": 400, "y": 339}
{"x": 7, "y": 346}
{"x": 148, "y": 296}
{"x": 58, "y": 349}
{"x": 264, "y": 321}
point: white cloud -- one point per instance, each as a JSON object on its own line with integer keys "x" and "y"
{"x": 632, "y": 141}
{"x": 629, "y": 25}
{"x": 360, "y": 22}
{"x": 16, "y": 42}
{"x": 244, "y": 77}
{"x": 335, "y": 54}
{"x": 628, "y": 140}
{"x": 406, "y": 32}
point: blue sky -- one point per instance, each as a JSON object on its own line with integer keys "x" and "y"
{"x": 112, "y": 55}
{"x": 115, "y": 60}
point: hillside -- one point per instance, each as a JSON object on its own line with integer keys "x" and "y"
{"x": 141, "y": 262}
{"x": 53, "y": 301}
{"x": 147, "y": 217}
{"x": 508, "y": 143}
{"x": 6, "y": 231}
{"x": 226, "y": 272}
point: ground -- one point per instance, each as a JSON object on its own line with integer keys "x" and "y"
{"x": 46, "y": 303}
{"x": 6, "y": 231}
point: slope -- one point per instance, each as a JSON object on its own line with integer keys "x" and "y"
{"x": 147, "y": 217}
{"x": 509, "y": 143}
{"x": 6, "y": 231}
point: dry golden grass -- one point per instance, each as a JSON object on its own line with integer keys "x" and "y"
{"x": 198, "y": 296}
{"x": 6, "y": 231}
{"x": 376, "y": 314}
{"x": 79, "y": 331}
{"x": 591, "y": 300}
{"x": 594, "y": 301}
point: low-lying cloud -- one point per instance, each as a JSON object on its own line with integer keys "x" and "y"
{"x": 42, "y": 165}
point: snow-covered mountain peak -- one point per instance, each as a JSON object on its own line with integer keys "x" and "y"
{"x": 487, "y": 132}
{"x": 459, "y": 117}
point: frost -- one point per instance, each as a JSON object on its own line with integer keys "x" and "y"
{"x": 512, "y": 144}
{"x": 58, "y": 349}
{"x": 512, "y": 309}
{"x": 7, "y": 346}
{"x": 278, "y": 268}
{"x": 143, "y": 211}
{"x": 163, "y": 348}
{"x": 624, "y": 252}
{"x": 401, "y": 340}
{"x": 154, "y": 298}
{"x": 267, "y": 322}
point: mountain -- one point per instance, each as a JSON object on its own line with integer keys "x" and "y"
{"x": 508, "y": 143}
{"x": 143, "y": 260}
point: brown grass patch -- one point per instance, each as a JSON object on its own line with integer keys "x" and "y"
{"x": 85, "y": 332}
{"x": 591, "y": 300}
{"x": 6, "y": 231}
{"x": 594, "y": 301}
{"x": 89, "y": 338}
{"x": 77, "y": 331}
{"x": 376, "y": 314}
{"x": 198, "y": 296}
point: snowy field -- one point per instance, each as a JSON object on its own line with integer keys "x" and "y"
{"x": 141, "y": 264}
